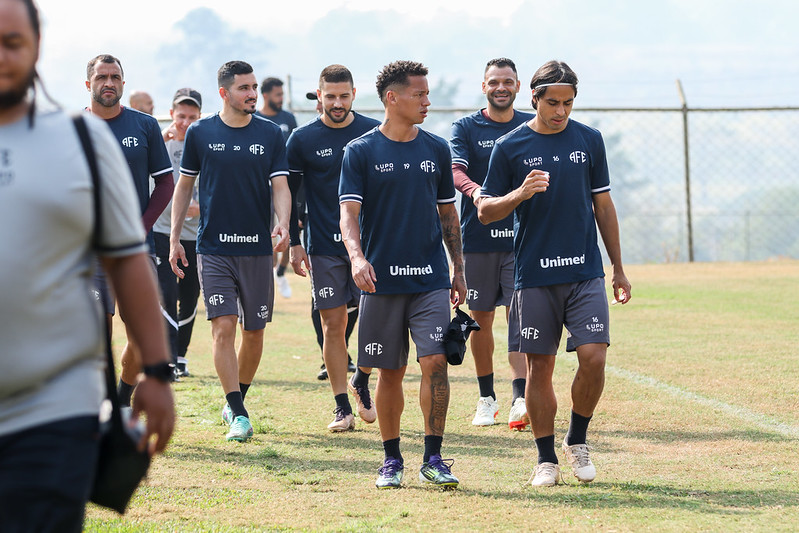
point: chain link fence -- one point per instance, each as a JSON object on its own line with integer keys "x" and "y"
{"x": 691, "y": 184}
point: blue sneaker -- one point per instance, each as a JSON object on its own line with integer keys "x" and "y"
{"x": 390, "y": 474}
{"x": 227, "y": 414}
{"x": 436, "y": 471}
{"x": 240, "y": 429}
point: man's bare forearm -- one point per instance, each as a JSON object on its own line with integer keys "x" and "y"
{"x": 451, "y": 231}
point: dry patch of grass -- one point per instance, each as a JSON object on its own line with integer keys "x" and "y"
{"x": 666, "y": 462}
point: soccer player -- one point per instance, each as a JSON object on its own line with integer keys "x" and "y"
{"x": 141, "y": 101}
{"x": 315, "y": 152}
{"x": 397, "y": 203}
{"x": 352, "y": 312}
{"x": 488, "y": 250}
{"x": 51, "y": 380}
{"x": 139, "y": 135}
{"x": 237, "y": 155}
{"x": 552, "y": 173}
{"x": 179, "y": 305}
{"x": 272, "y": 108}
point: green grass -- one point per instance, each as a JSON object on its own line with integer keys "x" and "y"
{"x": 697, "y": 429}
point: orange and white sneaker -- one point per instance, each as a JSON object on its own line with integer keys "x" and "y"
{"x": 486, "y": 413}
{"x": 363, "y": 401}
{"x": 342, "y": 422}
{"x": 518, "y": 419}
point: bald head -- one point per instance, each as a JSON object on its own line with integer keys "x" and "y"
{"x": 141, "y": 101}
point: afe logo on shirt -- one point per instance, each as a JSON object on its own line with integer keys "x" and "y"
{"x": 130, "y": 142}
{"x": 578, "y": 157}
{"x": 257, "y": 149}
{"x": 427, "y": 166}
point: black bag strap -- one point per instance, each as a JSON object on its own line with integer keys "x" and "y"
{"x": 91, "y": 158}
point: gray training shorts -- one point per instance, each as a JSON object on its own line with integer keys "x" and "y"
{"x": 331, "y": 282}
{"x": 489, "y": 278}
{"x": 386, "y": 319}
{"x": 538, "y": 314}
{"x": 238, "y": 285}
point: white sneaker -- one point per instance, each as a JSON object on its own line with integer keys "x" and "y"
{"x": 283, "y": 286}
{"x": 487, "y": 409}
{"x": 518, "y": 419}
{"x": 577, "y": 456}
{"x": 546, "y": 475}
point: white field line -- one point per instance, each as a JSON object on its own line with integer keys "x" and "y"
{"x": 760, "y": 420}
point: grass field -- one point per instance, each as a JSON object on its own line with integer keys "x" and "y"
{"x": 697, "y": 429}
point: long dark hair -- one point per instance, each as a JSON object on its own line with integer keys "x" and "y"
{"x": 36, "y": 80}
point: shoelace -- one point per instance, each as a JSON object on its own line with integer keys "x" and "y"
{"x": 532, "y": 476}
{"x": 444, "y": 465}
{"x": 390, "y": 468}
{"x": 366, "y": 399}
{"x": 580, "y": 453}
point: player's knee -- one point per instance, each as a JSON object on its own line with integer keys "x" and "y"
{"x": 434, "y": 364}
{"x": 592, "y": 357}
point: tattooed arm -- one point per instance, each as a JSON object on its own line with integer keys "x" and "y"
{"x": 451, "y": 229}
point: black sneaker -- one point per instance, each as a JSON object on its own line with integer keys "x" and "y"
{"x": 322, "y": 375}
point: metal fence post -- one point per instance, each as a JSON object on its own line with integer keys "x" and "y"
{"x": 687, "y": 172}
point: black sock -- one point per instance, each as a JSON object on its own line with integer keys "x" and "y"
{"x": 391, "y": 449}
{"x": 125, "y": 391}
{"x": 244, "y": 387}
{"x": 432, "y": 446}
{"x": 280, "y": 270}
{"x": 518, "y": 385}
{"x": 343, "y": 402}
{"x": 486, "y": 384}
{"x": 546, "y": 450}
{"x": 236, "y": 403}
{"x": 577, "y": 429}
{"x": 360, "y": 378}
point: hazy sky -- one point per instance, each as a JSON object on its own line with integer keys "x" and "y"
{"x": 627, "y": 53}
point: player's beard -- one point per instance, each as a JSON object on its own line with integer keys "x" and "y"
{"x": 505, "y": 105}
{"x": 16, "y": 95}
{"x": 329, "y": 113}
{"x": 107, "y": 101}
{"x": 273, "y": 106}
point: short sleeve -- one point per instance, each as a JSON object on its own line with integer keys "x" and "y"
{"x": 158, "y": 158}
{"x": 458, "y": 145}
{"x": 121, "y": 231}
{"x": 294, "y": 153}
{"x": 351, "y": 184}
{"x": 446, "y": 185}
{"x": 600, "y": 175}
{"x": 499, "y": 174}
{"x": 280, "y": 165}
{"x": 190, "y": 160}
